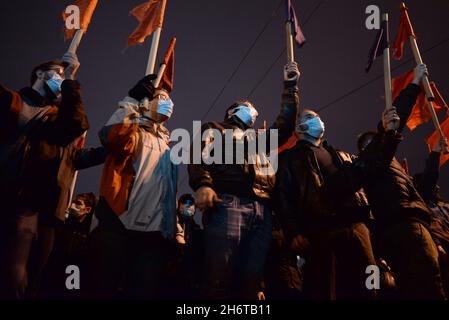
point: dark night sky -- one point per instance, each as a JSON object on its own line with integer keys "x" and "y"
{"x": 213, "y": 36}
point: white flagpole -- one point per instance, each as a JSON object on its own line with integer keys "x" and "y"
{"x": 155, "y": 45}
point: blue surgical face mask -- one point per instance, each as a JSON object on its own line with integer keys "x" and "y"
{"x": 55, "y": 83}
{"x": 248, "y": 115}
{"x": 314, "y": 128}
{"x": 165, "y": 107}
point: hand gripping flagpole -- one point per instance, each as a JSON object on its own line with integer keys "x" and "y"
{"x": 427, "y": 88}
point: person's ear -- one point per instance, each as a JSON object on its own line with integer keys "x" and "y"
{"x": 40, "y": 74}
{"x": 88, "y": 209}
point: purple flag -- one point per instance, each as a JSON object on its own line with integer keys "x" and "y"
{"x": 291, "y": 17}
{"x": 380, "y": 44}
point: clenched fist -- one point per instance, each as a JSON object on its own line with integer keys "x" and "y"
{"x": 206, "y": 198}
{"x": 291, "y": 72}
{"x": 390, "y": 119}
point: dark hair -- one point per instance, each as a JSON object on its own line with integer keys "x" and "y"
{"x": 236, "y": 104}
{"x": 363, "y": 137}
{"x": 45, "y": 67}
{"x": 90, "y": 200}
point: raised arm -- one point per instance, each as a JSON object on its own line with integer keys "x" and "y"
{"x": 286, "y": 119}
{"x": 407, "y": 98}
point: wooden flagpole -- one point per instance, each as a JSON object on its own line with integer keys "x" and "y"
{"x": 73, "y": 48}
{"x": 290, "y": 48}
{"x": 428, "y": 90}
{"x": 76, "y": 41}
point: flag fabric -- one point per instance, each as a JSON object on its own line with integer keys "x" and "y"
{"x": 434, "y": 138}
{"x": 291, "y": 142}
{"x": 150, "y": 16}
{"x": 405, "y": 30}
{"x": 169, "y": 74}
{"x": 381, "y": 42}
{"x": 293, "y": 19}
{"x": 87, "y": 8}
{"x": 420, "y": 112}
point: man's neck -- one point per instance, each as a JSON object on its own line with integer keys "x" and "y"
{"x": 312, "y": 140}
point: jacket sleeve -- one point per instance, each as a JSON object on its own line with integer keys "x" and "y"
{"x": 200, "y": 174}
{"x": 286, "y": 119}
{"x": 86, "y": 158}
{"x": 10, "y": 107}
{"x": 430, "y": 177}
{"x": 284, "y": 195}
{"x": 71, "y": 121}
{"x": 404, "y": 103}
{"x": 120, "y": 134}
{"x": 378, "y": 154}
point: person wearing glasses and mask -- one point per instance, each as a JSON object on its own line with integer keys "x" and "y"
{"x": 235, "y": 198}
{"x": 137, "y": 205}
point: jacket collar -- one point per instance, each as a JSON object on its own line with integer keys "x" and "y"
{"x": 235, "y": 122}
{"x": 32, "y": 97}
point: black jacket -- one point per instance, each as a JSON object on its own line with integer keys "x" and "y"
{"x": 246, "y": 179}
{"x": 304, "y": 202}
{"x": 51, "y": 154}
{"x": 391, "y": 192}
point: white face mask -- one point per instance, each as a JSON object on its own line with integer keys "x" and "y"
{"x": 247, "y": 114}
{"x": 54, "y": 83}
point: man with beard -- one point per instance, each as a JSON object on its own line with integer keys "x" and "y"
{"x": 235, "y": 199}
{"x": 41, "y": 127}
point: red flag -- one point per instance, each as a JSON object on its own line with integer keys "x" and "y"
{"x": 420, "y": 112}
{"x": 150, "y": 16}
{"x": 291, "y": 142}
{"x": 434, "y": 138}
{"x": 404, "y": 32}
{"x": 87, "y": 8}
{"x": 169, "y": 74}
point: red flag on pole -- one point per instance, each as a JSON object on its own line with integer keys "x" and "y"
{"x": 150, "y": 16}
{"x": 87, "y": 8}
{"x": 420, "y": 113}
{"x": 434, "y": 138}
{"x": 404, "y": 32}
{"x": 169, "y": 73}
